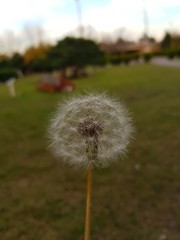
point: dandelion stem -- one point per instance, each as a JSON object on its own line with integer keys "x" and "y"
{"x": 88, "y": 203}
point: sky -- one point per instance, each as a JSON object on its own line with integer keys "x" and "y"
{"x": 119, "y": 17}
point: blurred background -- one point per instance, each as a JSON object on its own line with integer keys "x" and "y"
{"x": 52, "y": 50}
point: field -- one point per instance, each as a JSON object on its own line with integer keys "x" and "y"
{"x": 138, "y": 198}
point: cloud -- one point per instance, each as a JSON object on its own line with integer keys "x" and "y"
{"x": 59, "y": 16}
{"x": 114, "y": 14}
{"x": 129, "y": 14}
{"x": 14, "y": 14}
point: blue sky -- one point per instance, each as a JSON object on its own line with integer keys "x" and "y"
{"x": 59, "y": 17}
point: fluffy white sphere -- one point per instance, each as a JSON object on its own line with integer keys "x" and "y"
{"x": 90, "y": 130}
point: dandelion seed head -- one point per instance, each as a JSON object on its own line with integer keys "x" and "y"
{"x": 92, "y": 129}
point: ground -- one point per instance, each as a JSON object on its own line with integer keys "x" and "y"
{"x": 138, "y": 198}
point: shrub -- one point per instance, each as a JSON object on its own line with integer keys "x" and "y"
{"x": 6, "y": 73}
{"x": 147, "y": 57}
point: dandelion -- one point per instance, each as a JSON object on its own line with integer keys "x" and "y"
{"x": 84, "y": 121}
{"x": 90, "y": 131}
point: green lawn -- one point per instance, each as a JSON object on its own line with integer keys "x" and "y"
{"x": 136, "y": 199}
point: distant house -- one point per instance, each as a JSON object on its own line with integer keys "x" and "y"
{"x": 127, "y": 47}
{"x": 119, "y": 47}
{"x": 148, "y": 45}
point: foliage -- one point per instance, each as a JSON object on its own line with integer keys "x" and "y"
{"x": 17, "y": 61}
{"x": 117, "y": 59}
{"x": 34, "y": 53}
{"x": 7, "y": 73}
{"x": 4, "y": 62}
{"x": 147, "y": 57}
{"x": 35, "y": 59}
{"x": 77, "y": 52}
{"x": 169, "y": 53}
{"x": 40, "y": 65}
{"x": 166, "y": 41}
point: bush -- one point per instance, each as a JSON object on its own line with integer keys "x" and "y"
{"x": 7, "y": 73}
{"x": 147, "y": 57}
{"x": 40, "y": 65}
{"x": 171, "y": 54}
{"x": 125, "y": 58}
{"x": 115, "y": 59}
{"x": 178, "y": 52}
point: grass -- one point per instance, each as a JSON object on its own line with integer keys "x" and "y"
{"x": 137, "y": 199}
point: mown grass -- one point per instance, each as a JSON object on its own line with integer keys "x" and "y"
{"x": 136, "y": 199}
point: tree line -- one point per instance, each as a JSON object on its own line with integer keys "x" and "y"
{"x": 69, "y": 52}
{"x": 77, "y": 53}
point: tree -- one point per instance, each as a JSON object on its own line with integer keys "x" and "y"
{"x": 166, "y": 41}
{"x": 33, "y": 53}
{"x": 4, "y": 61}
{"x": 17, "y": 61}
{"x": 35, "y": 58}
{"x": 75, "y": 52}
{"x": 7, "y": 73}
